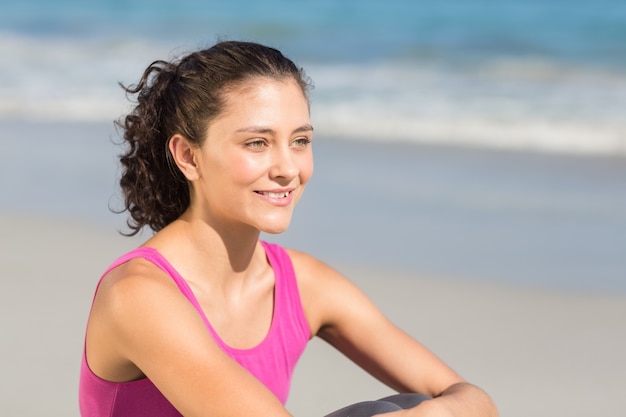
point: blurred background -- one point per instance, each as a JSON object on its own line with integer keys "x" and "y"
{"x": 543, "y": 75}
{"x": 479, "y": 142}
{"x": 468, "y": 138}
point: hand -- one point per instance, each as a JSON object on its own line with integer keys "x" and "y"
{"x": 458, "y": 400}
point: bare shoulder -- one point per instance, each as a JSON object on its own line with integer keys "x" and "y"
{"x": 136, "y": 306}
{"x": 134, "y": 280}
{"x": 127, "y": 291}
{"x": 138, "y": 293}
{"x": 327, "y": 294}
{"x": 315, "y": 276}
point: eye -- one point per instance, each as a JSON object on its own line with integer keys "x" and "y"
{"x": 301, "y": 142}
{"x": 255, "y": 144}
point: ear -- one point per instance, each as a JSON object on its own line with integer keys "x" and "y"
{"x": 184, "y": 154}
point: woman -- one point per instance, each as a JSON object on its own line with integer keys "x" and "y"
{"x": 204, "y": 319}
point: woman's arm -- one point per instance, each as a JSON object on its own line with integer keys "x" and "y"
{"x": 461, "y": 399}
{"x": 141, "y": 324}
{"x": 342, "y": 315}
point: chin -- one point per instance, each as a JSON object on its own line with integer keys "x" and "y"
{"x": 275, "y": 226}
{"x": 275, "y": 230}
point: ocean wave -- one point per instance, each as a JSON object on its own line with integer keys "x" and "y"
{"x": 516, "y": 104}
{"x": 507, "y": 104}
{"x": 70, "y": 79}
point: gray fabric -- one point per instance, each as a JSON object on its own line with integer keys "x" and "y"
{"x": 406, "y": 400}
{"x": 384, "y": 405}
{"x": 365, "y": 409}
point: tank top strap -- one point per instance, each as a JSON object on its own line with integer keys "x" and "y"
{"x": 288, "y": 303}
{"x": 152, "y": 255}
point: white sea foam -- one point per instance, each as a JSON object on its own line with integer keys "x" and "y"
{"x": 69, "y": 79}
{"x": 509, "y": 105}
{"x": 523, "y": 104}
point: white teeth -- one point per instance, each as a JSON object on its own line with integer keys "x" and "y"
{"x": 277, "y": 195}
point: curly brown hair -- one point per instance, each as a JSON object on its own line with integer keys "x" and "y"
{"x": 182, "y": 97}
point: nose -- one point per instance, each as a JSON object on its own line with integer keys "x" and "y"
{"x": 284, "y": 164}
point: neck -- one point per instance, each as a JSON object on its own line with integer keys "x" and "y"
{"x": 195, "y": 246}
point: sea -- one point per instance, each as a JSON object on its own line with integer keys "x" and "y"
{"x": 480, "y": 139}
{"x": 545, "y": 75}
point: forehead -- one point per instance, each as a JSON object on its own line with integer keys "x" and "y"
{"x": 262, "y": 97}
{"x": 255, "y": 85}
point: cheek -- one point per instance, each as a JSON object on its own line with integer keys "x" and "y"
{"x": 246, "y": 168}
{"x": 306, "y": 169}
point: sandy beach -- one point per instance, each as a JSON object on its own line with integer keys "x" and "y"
{"x": 538, "y": 353}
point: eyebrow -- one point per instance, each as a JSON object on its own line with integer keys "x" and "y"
{"x": 266, "y": 130}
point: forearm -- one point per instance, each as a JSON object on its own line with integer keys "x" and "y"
{"x": 458, "y": 400}
{"x": 464, "y": 400}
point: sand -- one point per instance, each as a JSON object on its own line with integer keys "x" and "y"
{"x": 538, "y": 352}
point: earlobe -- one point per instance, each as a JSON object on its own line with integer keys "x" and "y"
{"x": 183, "y": 153}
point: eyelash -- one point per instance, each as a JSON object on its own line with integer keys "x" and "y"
{"x": 259, "y": 143}
{"x": 302, "y": 141}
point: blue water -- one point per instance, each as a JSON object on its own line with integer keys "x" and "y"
{"x": 546, "y": 75}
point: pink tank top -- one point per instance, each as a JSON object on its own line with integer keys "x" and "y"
{"x": 272, "y": 361}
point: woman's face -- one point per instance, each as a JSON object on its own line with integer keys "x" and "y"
{"x": 257, "y": 157}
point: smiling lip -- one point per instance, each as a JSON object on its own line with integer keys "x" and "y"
{"x": 277, "y": 197}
